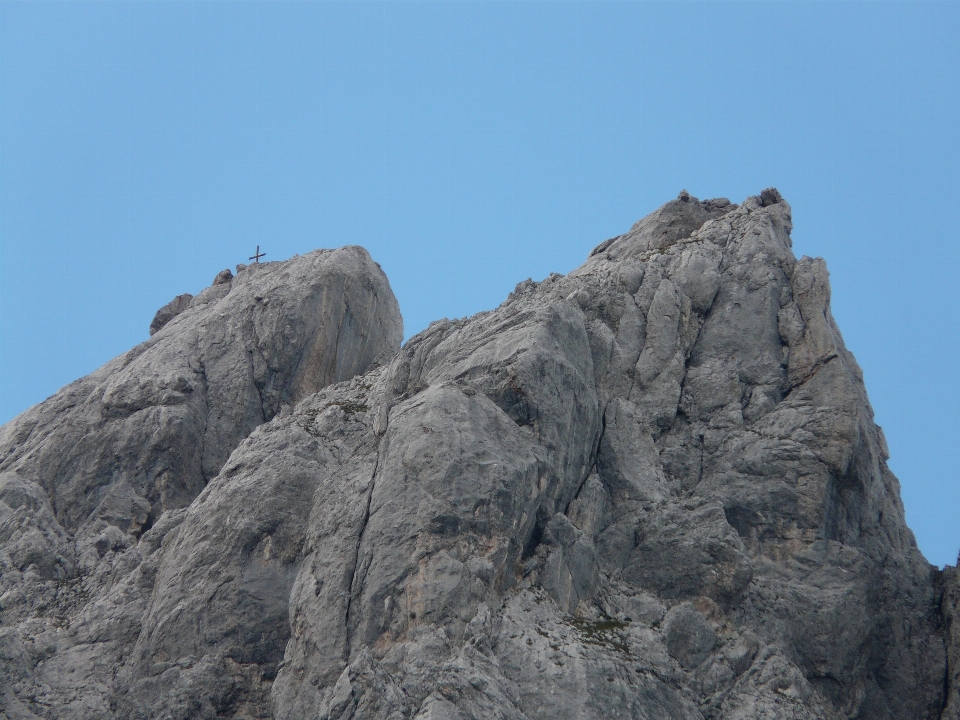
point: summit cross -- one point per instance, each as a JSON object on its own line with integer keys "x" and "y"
{"x": 256, "y": 256}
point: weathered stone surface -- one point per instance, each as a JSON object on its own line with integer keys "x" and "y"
{"x": 164, "y": 417}
{"x": 90, "y": 477}
{"x": 652, "y": 488}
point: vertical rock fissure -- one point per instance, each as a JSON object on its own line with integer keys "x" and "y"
{"x": 336, "y": 345}
{"x": 700, "y": 471}
{"x": 946, "y": 691}
{"x": 947, "y": 623}
{"x": 356, "y": 554}
{"x": 254, "y": 346}
{"x": 256, "y": 386}
{"x": 594, "y": 464}
{"x": 206, "y": 413}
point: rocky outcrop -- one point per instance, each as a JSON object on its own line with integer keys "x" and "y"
{"x": 169, "y": 311}
{"x": 98, "y": 473}
{"x": 652, "y": 488}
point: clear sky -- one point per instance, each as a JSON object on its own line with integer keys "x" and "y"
{"x": 146, "y": 146}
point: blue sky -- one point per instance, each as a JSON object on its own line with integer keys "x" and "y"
{"x": 146, "y": 146}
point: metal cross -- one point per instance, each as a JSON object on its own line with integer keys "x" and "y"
{"x": 256, "y": 257}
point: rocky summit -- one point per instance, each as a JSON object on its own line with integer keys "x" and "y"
{"x": 652, "y": 488}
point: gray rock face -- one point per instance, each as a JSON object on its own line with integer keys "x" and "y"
{"x": 650, "y": 489}
{"x": 951, "y": 615}
{"x": 92, "y": 479}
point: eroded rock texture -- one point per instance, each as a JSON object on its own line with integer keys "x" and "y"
{"x": 652, "y": 488}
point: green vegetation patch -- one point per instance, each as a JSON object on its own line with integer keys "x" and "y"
{"x": 350, "y": 407}
{"x": 603, "y": 633}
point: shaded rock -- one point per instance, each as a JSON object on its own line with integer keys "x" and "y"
{"x": 951, "y": 615}
{"x": 572, "y": 569}
{"x": 170, "y": 311}
{"x": 677, "y": 220}
{"x": 689, "y": 638}
{"x": 224, "y": 276}
{"x": 688, "y": 549}
{"x": 770, "y": 196}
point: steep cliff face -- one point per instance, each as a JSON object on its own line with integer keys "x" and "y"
{"x": 97, "y": 474}
{"x": 652, "y": 488}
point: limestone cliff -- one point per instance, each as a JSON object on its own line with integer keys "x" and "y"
{"x": 652, "y": 488}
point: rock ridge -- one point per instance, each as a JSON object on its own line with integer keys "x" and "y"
{"x": 651, "y": 488}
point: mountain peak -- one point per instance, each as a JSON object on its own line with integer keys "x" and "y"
{"x": 652, "y": 487}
